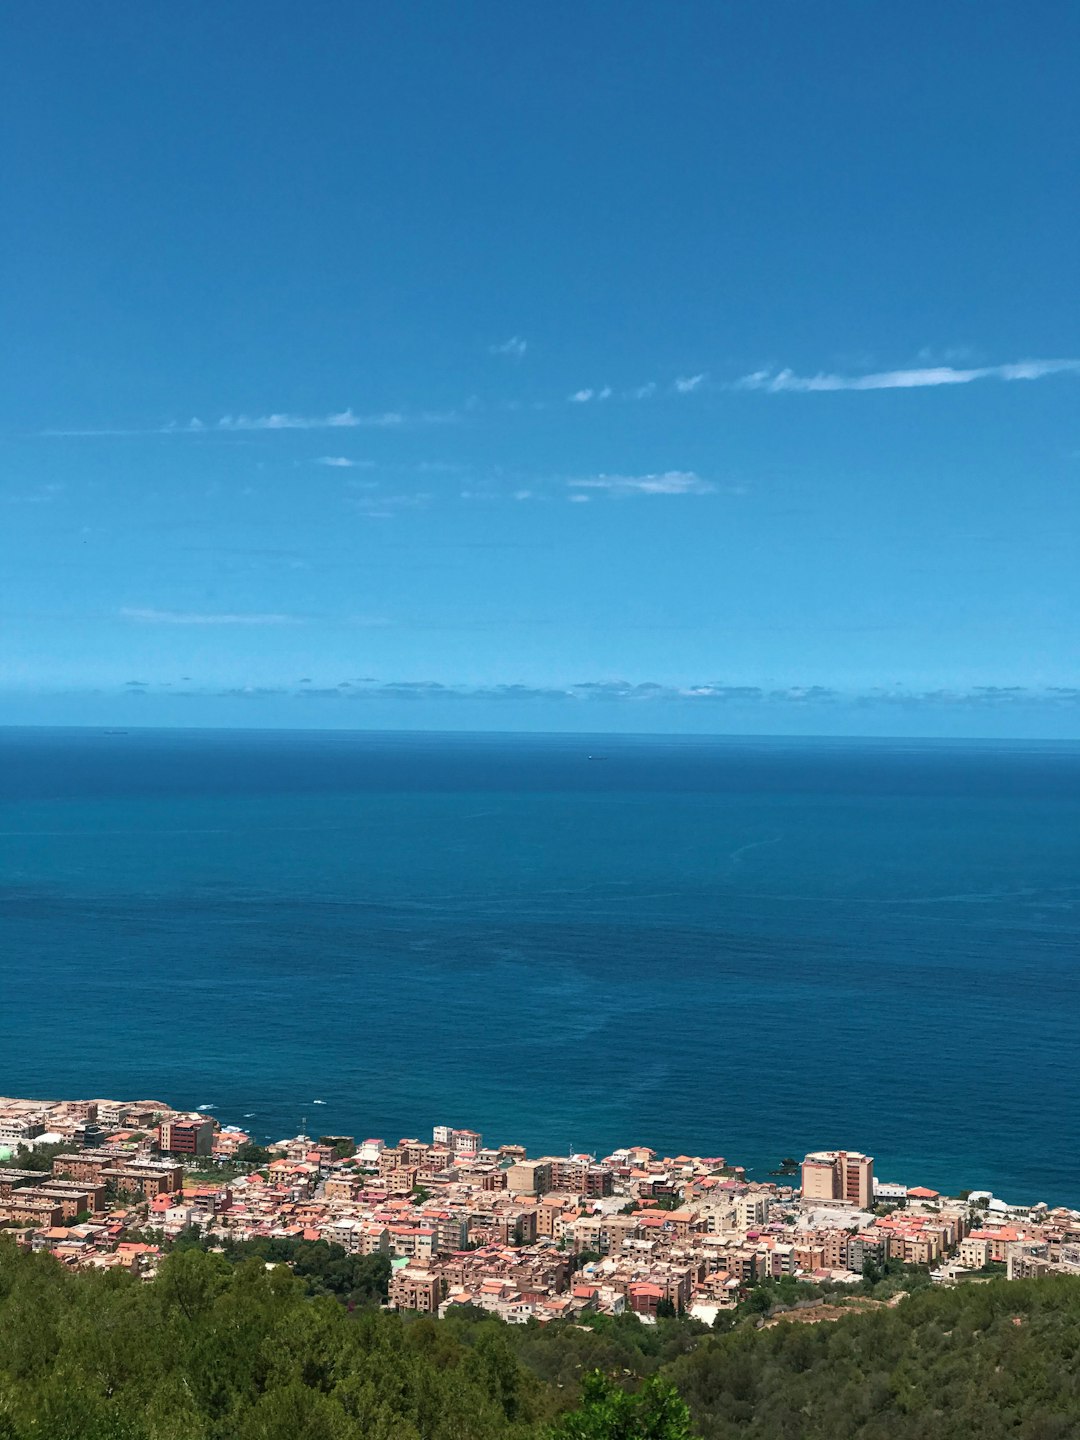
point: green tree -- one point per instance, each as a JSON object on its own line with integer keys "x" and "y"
{"x": 584, "y": 1257}
{"x": 760, "y": 1301}
{"x": 38, "y": 1157}
{"x": 252, "y": 1154}
{"x": 608, "y": 1413}
{"x": 343, "y": 1146}
{"x": 241, "y": 1347}
{"x": 190, "y": 1280}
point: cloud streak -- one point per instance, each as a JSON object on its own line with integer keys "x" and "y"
{"x": 146, "y": 615}
{"x": 336, "y": 420}
{"x": 671, "y": 482}
{"x": 650, "y": 693}
{"x": 514, "y": 348}
{"x": 771, "y": 382}
{"x": 280, "y": 420}
{"x": 774, "y": 383}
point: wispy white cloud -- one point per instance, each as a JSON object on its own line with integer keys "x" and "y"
{"x": 39, "y": 495}
{"x": 342, "y": 462}
{"x": 775, "y": 382}
{"x": 671, "y": 482}
{"x": 385, "y": 507}
{"x": 687, "y": 384}
{"x": 645, "y": 692}
{"x": 347, "y": 419}
{"x": 148, "y": 616}
{"x": 707, "y": 693}
{"x": 336, "y": 420}
{"x": 514, "y": 348}
{"x": 681, "y": 385}
{"x": 771, "y": 381}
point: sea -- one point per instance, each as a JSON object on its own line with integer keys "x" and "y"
{"x": 739, "y": 947}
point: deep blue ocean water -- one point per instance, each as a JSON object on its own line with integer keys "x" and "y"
{"x": 737, "y": 947}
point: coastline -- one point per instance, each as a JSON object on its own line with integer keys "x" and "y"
{"x": 462, "y": 1222}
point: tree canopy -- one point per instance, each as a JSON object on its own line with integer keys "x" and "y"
{"x": 238, "y": 1347}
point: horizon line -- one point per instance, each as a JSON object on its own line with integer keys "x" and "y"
{"x": 118, "y": 730}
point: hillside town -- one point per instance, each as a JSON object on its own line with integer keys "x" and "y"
{"x": 106, "y": 1184}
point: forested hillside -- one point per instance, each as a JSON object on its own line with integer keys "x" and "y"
{"x": 213, "y": 1350}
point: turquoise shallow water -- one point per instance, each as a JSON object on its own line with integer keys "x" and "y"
{"x": 740, "y": 947}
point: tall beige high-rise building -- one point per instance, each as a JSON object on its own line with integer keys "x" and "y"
{"x": 839, "y": 1175}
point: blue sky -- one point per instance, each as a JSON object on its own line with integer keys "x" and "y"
{"x": 707, "y": 367}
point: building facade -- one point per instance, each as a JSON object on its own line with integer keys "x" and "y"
{"x": 845, "y": 1175}
{"x": 186, "y": 1137}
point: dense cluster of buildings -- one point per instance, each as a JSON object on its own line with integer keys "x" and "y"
{"x": 464, "y": 1223}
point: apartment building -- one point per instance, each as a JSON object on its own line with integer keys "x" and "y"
{"x": 146, "y": 1180}
{"x": 73, "y": 1200}
{"x": 104, "y": 1167}
{"x": 186, "y": 1137}
{"x": 866, "y": 1246}
{"x": 18, "y": 1129}
{"x": 13, "y": 1180}
{"x": 581, "y": 1176}
{"x": 414, "y": 1153}
{"x": 515, "y": 1227}
{"x": 451, "y": 1231}
{"x": 751, "y": 1210}
{"x": 809, "y": 1257}
{"x": 1025, "y": 1259}
{"x": 402, "y": 1180}
{"x": 530, "y": 1177}
{"x": 746, "y": 1265}
{"x": 414, "y": 1287}
{"x": 779, "y": 1258}
{"x": 844, "y": 1175}
{"x": 604, "y": 1234}
{"x": 40, "y": 1213}
{"x": 974, "y": 1253}
{"x": 413, "y": 1241}
{"x": 466, "y": 1144}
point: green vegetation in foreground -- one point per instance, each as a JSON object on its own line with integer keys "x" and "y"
{"x": 39, "y": 1157}
{"x": 217, "y": 1350}
{"x": 325, "y": 1268}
